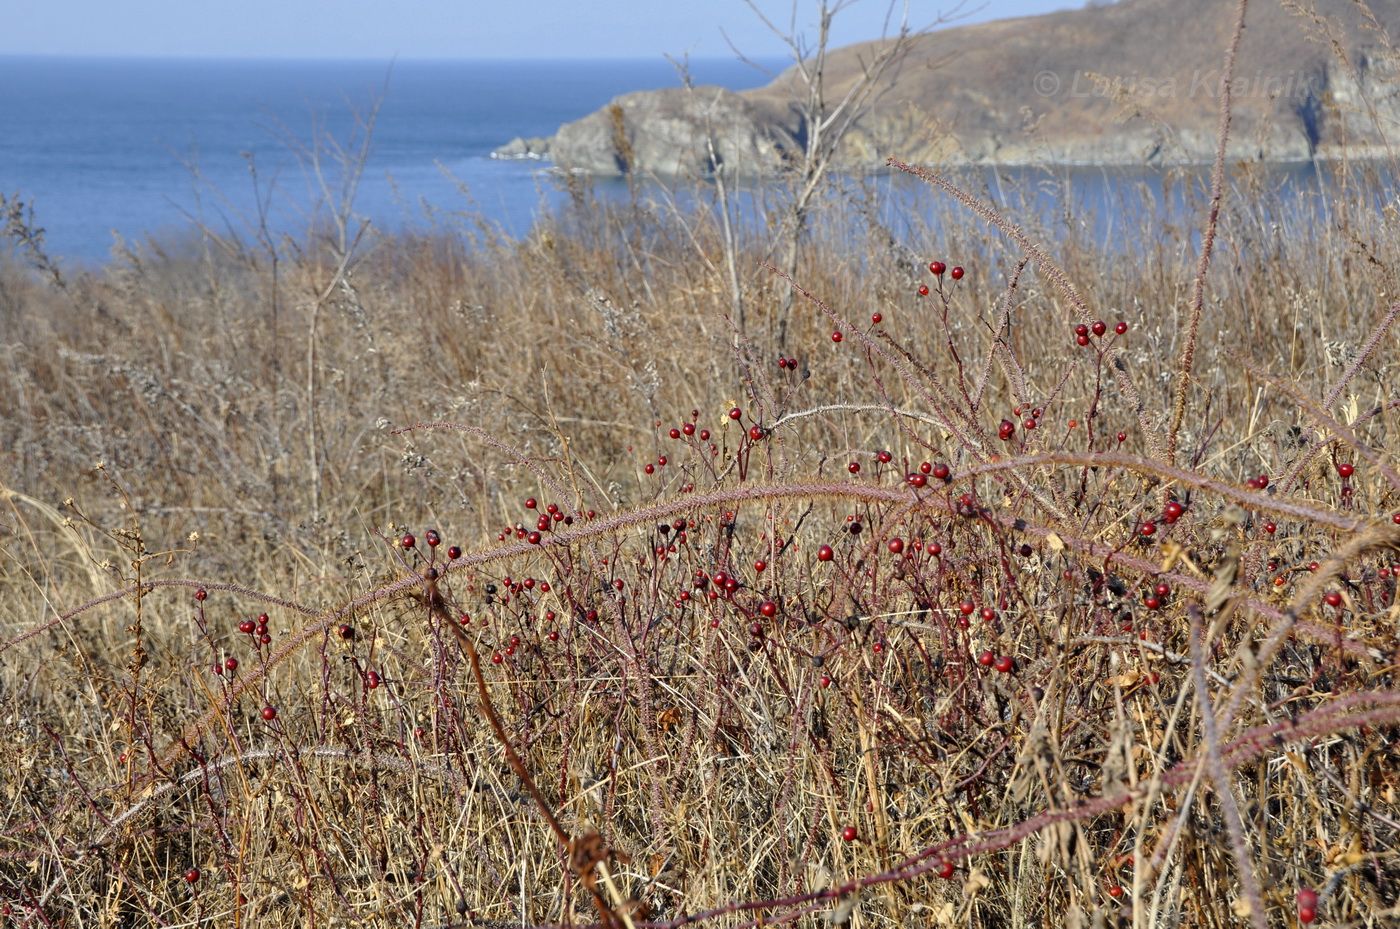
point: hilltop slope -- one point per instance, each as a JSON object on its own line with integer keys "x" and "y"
{"x": 1130, "y": 83}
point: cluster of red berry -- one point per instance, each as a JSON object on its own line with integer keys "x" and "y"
{"x": 938, "y": 269}
{"x": 1099, "y": 328}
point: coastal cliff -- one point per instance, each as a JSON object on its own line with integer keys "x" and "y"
{"x": 1135, "y": 82}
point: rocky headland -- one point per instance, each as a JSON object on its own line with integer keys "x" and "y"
{"x": 1131, "y": 83}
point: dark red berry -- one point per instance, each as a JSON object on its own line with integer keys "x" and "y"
{"x": 986, "y": 659}
{"x": 408, "y": 541}
{"x": 896, "y": 545}
{"x": 269, "y": 713}
{"x": 1333, "y": 598}
{"x": 1147, "y": 528}
{"x": 825, "y": 553}
{"x": 736, "y": 413}
{"x": 937, "y": 267}
{"x": 1346, "y": 469}
{"x": 836, "y": 336}
{"x": 957, "y": 273}
{"x": 192, "y": 876}
{"x": 768, "y": 608}
{"x": 1099, "y": 327}
{"x": 1005, "y": 664}
{"x": 201, "y": 594}
{"x": 454, "y": 552}
{"x": 1121, "y": 328}
{"x": 849, "y": 834}
{"x": 853, "y": 467}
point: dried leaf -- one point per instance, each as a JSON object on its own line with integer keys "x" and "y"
{"x": 976, "y": 882}
{"x": 843, "y": 910}
{"x": 1125, "y": 680}
{"x": 1224, "y": 581}
{"x": 1171, "y": 554}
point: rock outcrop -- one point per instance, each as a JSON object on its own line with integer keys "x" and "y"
{"x": 677, "y": 131}
{"x": 1130, "y": 83}
{"x": 536, "y": 147}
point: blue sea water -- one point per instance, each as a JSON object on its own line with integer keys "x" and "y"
{"x": 142, "y": 147}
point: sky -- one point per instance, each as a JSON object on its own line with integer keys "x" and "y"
{"x": 474, "y": 29}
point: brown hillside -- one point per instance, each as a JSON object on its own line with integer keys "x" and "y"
{"x": 1136, "y": 81}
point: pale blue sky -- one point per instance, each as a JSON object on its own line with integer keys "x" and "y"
{"x": 443, "y": 28}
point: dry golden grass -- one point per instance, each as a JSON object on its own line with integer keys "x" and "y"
{"x": 202, "y": 420}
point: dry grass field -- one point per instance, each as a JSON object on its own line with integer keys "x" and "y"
{"x": 450, "y": 580}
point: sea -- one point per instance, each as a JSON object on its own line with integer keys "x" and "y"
{"x": 116, "y": 149}
{"x": 107, "y": 151}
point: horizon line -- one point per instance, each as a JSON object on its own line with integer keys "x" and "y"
{"x": 382, "y": 59}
